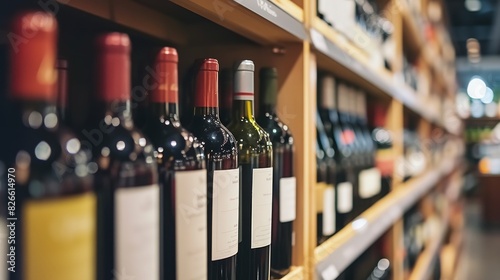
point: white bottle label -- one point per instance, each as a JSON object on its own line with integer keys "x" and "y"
{"x": 370, "y": 182}
{"x": 344, "y": 201}
{"x": 288, "y": 189}
{"x": 329, "y": 211}
{"x": 191, "y": 224}
{"x": 262, "y": 201}
{"x": 225, "y": 213}
{"x": 137, "y": 232}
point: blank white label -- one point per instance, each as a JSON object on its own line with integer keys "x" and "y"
{"x": 344, "y": 201}
{"x": 191, "y": 224}
{"x": 369, "y": 183}
{"x": 225, "y": 211}
{"x": 137, "y": 232}
{"x": 288, "y": 188}
{"x": 262, "y": 201}
{"x": 330, "y": 273}
{"x": 329, "y": 211}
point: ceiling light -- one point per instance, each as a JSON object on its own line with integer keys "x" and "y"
{"x": 473, "y": 5}
{"x": 476, "y": 88}
{"x": 488, "y": 96}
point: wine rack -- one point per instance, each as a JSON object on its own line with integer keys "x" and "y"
{"x": 289, "y": 35}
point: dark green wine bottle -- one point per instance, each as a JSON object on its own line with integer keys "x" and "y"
{"x": 284, "y": 182}
{"x": 255, "y": 160}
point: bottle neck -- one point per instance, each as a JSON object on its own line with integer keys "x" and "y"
{"x": 110, "y": 111}
{"x": 36, "y": 113}
{"x": 206, "y": 111}
{"x": 267, "y": 109}
{"x": 243, "y": 95}
{"x": 243, "y": 109}
{"x": 164, "y": 110}
{"x": 268, "y": 93}
{"x": 206, "y": 100}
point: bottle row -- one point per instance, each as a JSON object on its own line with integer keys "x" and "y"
{"x": 141, "y": 196}
{"x": 354, "y": 162}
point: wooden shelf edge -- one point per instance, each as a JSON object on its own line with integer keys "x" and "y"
{"x": 424, "y": 264}
{"x": 263, "y": 21}
{"x": 380, "y": 79}
{"x": 296, "y": 273}
{"x": 338, "y": 252}
{"x": 291, "y": 8}
{"x": 411, "y": 26}
{"x": 482, "y": 121}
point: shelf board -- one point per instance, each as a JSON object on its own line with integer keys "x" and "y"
{"x": 425, "y": 262}
{"x": 337, "y": 253}
{"x": 415, "y": 42}
{"x": 296, "y": 273}
{"x": 350, "y": 63}
{"x": 263, "y": 21}
{"x": 412, "y": 37}
{"x": 482, "y": 121}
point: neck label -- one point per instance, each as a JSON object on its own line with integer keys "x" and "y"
{"x": 243, "y": 96}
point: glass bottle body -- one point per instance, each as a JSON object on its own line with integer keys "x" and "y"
{"x": 255, "y": 156}
{"x": 126, "y": 181}
{"x": 283, "y": 181}
{"x": 222, "y": 170}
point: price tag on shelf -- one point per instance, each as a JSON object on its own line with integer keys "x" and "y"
{"x": 330, "y": 273}
{"x": 319, "y": 41}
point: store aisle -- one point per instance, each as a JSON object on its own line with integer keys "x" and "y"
{"x": 480, "y": 258}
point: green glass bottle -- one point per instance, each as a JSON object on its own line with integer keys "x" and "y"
{"x": 284, "y": 182}
{"x": 256, "y": 181}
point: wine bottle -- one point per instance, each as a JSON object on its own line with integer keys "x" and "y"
{"x": 382, "y": 137}
{"x": 369, "y": 177}
{"x": 49, "y": 184}
{"x": 126, "y": 182}
{"x": 284, "y": 182}
{"x": 223, "y": 172}
{"x": 5, "y": 155}
{"x": 62, "y": 90}
{"x": 325, "y": 190}
{"x": 255, "y": 160}
{"x": 341, "y": 142}
{"x": 182, "y": 177}
{"x": 226, "y": 95}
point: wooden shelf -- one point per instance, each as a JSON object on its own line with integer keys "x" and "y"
{"x": 336, "y": 254}
{"x": 413, "y": 39}
{"x": 425, "y": 262}
{"x": 352, "y": 66}
{"x": 415, "y": 44}
{"x": 255, "y": 29}
{"x": 482, "y": 121}
{"x": 296, "y": 273}
{"x": 263, "y": 21}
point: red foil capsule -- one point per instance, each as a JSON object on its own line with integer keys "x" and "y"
{"x": 113, "y": 67}
{"x": 33, "y": 50}
{"x": 207, "y": 89}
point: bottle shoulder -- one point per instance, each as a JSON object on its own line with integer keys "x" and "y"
{"x": 271, "y": 125}
{"x": 173, "y": 144}
{"x": 52, "y": 162}
{"x": 249, "y": 134}
{"x": 213, "y": 135}
{"x": 120, "y": 141}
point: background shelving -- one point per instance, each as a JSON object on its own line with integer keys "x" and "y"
{"x": 289, "y": 35}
